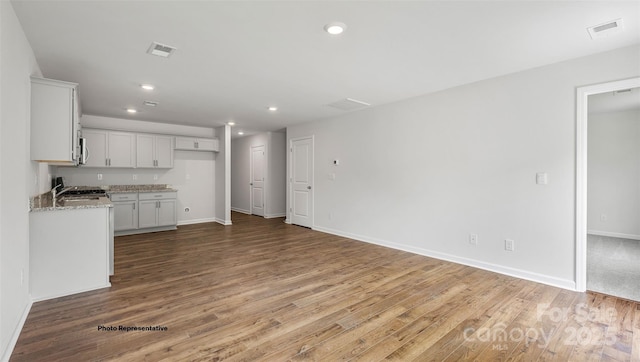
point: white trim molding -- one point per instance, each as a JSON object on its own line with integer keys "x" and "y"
{"x": 613, "y": 235}
{"x": 16, "y": 332}
{"x": 242, "y": 211}
{"x": 197, "y": 221}
{"x": 223, "y": 222}
{"x": 273, "y": 216}
{"x": 582, "y": 111}
{"x": 514, "y": 272}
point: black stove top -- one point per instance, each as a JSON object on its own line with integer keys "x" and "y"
{"x": 86, "y": 192}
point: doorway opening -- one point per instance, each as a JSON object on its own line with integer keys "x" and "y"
{"x": 586, "y": 222}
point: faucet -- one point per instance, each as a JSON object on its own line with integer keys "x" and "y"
{"x": 54, "y": 192}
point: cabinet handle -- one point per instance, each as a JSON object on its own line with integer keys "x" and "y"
{"x": 134, "y": 206}
{"x": 197, "y": 146}
{"x": 106, "y": 162}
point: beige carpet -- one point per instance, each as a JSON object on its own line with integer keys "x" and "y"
{"x": 613, "y": 266}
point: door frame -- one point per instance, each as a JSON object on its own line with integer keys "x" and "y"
{"x": 264, "y": 183}
{"x": 582, "y": 111}
{"x": 290, "y": 178}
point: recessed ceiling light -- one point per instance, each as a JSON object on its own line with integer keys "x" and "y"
{"x": 231, "y": 123}
{"x": 147, "y": 86}
{"x": 335, "y": 28}
{"x": 131, "y": 110}
{"x": 240, "y": 133}
{"x": 273, "y": 108}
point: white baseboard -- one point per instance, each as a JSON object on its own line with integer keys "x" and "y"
{"x": 16, "y": 333}
{"x": 613, "y": 235}
{"x": 223, "y": 222}
{"x": 242, "y": 211}
{"x": 518, "y": 273}
{"x": 197, "y": 221}
{"x": 77, "y": 291}
{"x": 273, "y": 216}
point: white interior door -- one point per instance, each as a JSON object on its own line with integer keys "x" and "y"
{"x": 257, "y": 180}
{"x": 302, "y": 182}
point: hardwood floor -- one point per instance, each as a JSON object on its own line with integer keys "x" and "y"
{"x": 261, "y": 290}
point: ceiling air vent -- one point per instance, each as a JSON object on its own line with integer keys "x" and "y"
{"x": 161, "y": 50}
{"x": 150, "y": 103}
{"x": 608, "y": 28}
{"x": 349, "y": 104}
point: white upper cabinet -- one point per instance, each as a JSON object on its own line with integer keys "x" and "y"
{"x": 197, "y": 144}
{"x": 110, "y": 148}
{"x": 154, "y": 151}
{"x": 96, "y": 147}
{"x": 54, "y": 121}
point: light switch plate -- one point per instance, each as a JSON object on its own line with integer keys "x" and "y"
{"x": 542, "y": 178}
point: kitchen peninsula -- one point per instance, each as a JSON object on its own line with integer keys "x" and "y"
{"x": 69, "y": 245}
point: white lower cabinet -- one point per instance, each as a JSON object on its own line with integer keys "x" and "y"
{"x": 157, "y": 209}
{"x": 125, "y": 211}
{"x": 144, "y": 212}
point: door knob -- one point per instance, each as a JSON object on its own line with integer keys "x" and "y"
{"x": 308, "y": 187}
{"x": 250, "y": 183}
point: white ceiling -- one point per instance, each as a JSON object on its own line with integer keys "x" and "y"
{"x": 235, "y": 58}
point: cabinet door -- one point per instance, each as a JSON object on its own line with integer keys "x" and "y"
{"x": 96, "y": 147}
{"x": 164, "y": 151}
{"x": 148, "y": 214}
{"x": 122, "y": 149}
{"x": 125, "y": 215}
{"x": 167, "y": 213}
{"x": 145, "y": 155}
{"x": 185, "y": 143}
{"x": 53, "y": 121}
{"x": 207, "y": 144}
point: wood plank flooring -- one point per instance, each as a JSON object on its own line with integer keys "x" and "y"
{"x": 261, "y": 290}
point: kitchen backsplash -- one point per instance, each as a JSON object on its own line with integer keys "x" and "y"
{"x": 193, "y": 175}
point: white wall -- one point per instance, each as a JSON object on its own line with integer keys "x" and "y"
{"x": 614, "y": 174}
{"x": 223, "y": 177}
{"x": 193, "y": 174}
{"x": 18, "y": 175}
{"x": 275, "y": 185}
{"x": 424, "y": 173}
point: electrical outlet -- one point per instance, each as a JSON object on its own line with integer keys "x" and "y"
{"x": 509, "y": 245}
{"x": 99, "y": 176}
{"x": 135, "y": 177}
{"x": 155, "y": 177}
{"x": 473, "y": 239}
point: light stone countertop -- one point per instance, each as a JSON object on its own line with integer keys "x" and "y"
{"x": 44, "y": 202}
{"x": 138, "y": 188}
